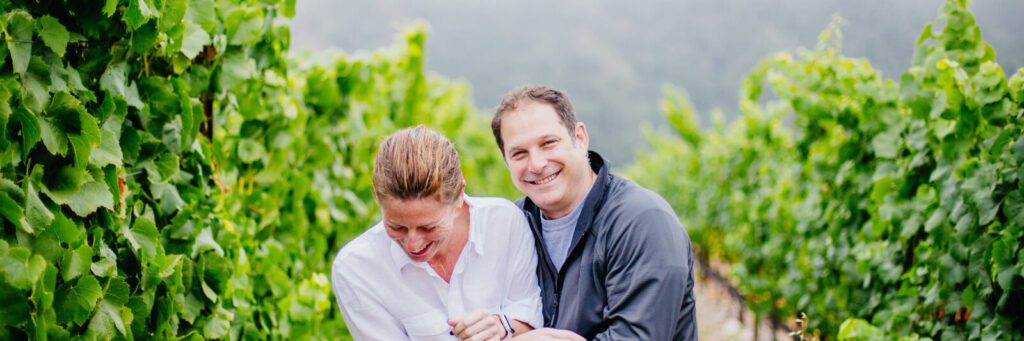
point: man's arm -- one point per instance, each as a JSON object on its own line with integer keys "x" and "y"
{"x": 648, "y": 263}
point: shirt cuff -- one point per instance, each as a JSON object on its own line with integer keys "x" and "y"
{"x": 528, "y": 311}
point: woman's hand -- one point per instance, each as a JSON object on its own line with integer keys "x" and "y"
{"x": 478, "y": 326}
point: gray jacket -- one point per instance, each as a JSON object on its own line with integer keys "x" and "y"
{"x": 629, "y": 272}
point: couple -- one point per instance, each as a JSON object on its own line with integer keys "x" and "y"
{"x": 586, "y": 253}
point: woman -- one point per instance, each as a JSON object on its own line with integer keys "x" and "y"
{"x": 440, "y": 264}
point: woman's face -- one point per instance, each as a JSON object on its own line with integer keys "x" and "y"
{"x": 422, "y": 227}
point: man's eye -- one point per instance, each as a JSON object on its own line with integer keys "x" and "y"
{"x": 550, "y": 142}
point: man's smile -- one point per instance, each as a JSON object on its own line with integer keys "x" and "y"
{"x": 548, "y": 179}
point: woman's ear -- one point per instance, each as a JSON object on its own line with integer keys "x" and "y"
{"x": 462, "y": 195}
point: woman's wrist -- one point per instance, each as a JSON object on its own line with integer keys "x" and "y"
{"x": 507, "y": 325}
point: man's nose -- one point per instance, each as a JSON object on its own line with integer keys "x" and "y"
{"x": 537, "y": 162}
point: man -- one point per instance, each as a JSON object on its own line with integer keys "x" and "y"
{"x": 614, "y": 263}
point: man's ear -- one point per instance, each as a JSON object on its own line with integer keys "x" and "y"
{"x": 581, "y": 136}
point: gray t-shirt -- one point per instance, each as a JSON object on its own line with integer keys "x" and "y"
{"x": 558, "y": 235}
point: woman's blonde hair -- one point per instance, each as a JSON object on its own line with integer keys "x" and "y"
{"x": 415, "y": 163}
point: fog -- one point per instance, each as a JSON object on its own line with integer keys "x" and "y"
{"x": 613, "y": 57}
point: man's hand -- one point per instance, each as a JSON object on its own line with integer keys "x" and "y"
{"x": 477, "y": 326}
{"x": 548, "y": 334}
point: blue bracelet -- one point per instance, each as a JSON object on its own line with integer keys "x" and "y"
{"x": 508, "y": 327}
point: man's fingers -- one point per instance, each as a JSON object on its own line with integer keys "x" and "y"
{"x": 565, "y": 335}
{"x": 550, "y": 334}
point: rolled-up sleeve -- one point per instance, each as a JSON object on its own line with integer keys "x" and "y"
{"x": 649, "y": 263}
{"x": 523, "y": 300}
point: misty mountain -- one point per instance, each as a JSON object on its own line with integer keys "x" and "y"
{"x": 613, "y": 57}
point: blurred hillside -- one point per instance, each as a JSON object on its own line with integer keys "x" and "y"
{"x": 613, "y": 57}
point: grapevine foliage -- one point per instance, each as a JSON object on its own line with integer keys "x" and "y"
{"x": 167, "y": 171}
{"x": 896, "y": 205}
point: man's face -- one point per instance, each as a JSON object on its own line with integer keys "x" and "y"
{"x": 546, "y": 163}
{"x": 422, "y": 227}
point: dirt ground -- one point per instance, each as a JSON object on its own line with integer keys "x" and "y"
{"x": 718, "y": 315}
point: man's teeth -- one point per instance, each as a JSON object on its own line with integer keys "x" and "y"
{"x": 546, "y": 180}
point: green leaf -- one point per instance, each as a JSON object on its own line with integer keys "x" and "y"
{"x": 18, "y": 33}
{"x": 218, "y": 326}
{"x": 250, "y": 151}
{"x": 65, "y": 183}
{"x": 21, "y": 269}
{"x": 107, "y": 263}
{"x": 193, "y": 306}
{"x": 137, "y": 13}
{"x": 968, "y": 296}
{"x": 1018, "y": 150}
{"x": 205, "y": 242}
{"x": 38, "y": 216}
{"x": 115, "y": 80}
{"x": 76, "y": 263}
{"x": 54, "y": 34}
{"x": 8, "y": 186}
{"x": 925, "y": 34}
{"x": 143, "y": 39}
{"x": 75, "y": 301}
{"x": 202, "y": 12}
{"x": 112, "y": 316}
{"x": 1013, "y": 207}
{"x": 11, "y": 210}
{"x": 87, "y": 199}
{"x": 53, "y": 138}
{"x": 886, "y": 144}
{"x": 143, "y": 237}
{"x": 244, "y": 25}
{"x": 171, "y": 14}
{"x": 195, "y": 40}
{"x": 859, "y": 330}
{"x": 81, "y": 150}
{"x": 34, "y": 91}
{"x": 167, "y": 194}
{"x": 5, "y": 100}
{"x": 110, "y": 7}
{"x": 30, "y": 131}
{"x": 235, "y": 69}
{"x": 14, "y": 302}
{"x": 288, "y": 9}
{"x": 66, "y": 230}
{"x": 109, "y": 150}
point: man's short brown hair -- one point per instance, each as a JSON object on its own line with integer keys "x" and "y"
{"x": 537, "y": 94}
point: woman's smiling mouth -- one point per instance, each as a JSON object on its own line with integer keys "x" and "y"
{"x": 421, "y": 251}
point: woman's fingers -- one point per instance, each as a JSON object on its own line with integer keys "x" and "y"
{"x": 477, "y": 326}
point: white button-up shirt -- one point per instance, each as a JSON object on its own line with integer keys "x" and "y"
{"x": 384, "y": 295}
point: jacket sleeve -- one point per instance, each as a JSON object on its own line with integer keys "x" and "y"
{"x": 648, "y": 269}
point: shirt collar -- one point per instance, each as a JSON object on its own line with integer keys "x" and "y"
{"x": 475, "y": 241}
